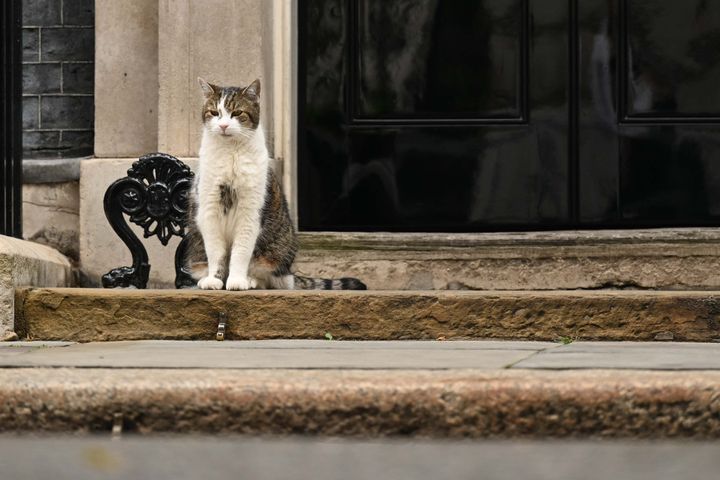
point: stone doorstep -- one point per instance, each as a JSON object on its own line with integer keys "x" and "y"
{"x": 87, "y": 315}
{"x": 443, "y": 404}
{"x": 674, "y": 259}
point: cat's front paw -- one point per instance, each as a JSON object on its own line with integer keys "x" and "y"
{"x": 240, "y": 283}
{"x": 210, "y": 283}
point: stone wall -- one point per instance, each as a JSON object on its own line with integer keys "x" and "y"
{"x": 58, "y": 70}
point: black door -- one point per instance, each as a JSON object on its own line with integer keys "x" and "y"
{"x": 11, "y": 118}
{"x": 472, "y": 115}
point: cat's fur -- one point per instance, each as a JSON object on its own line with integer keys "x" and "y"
{"x": 240, "y": 230}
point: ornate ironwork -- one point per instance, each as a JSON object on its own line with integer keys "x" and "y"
{"x": 154, "y": 196}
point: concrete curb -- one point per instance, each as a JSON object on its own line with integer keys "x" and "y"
{"x": 445, "y": 404}
{"x": 101, "y": 315}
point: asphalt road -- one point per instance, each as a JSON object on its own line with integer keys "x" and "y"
{"x": 209, "y": 458}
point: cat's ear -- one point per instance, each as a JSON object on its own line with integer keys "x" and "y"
{"x": 208, "y": 89}
{"x": 253, "y": 88}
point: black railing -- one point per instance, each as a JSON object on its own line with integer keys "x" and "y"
{"x": 11, "y": 121}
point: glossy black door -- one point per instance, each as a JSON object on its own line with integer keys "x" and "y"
{"x": 470, "y": 115}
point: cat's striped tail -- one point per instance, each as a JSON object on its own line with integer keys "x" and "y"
{"x": 306, "y": 283}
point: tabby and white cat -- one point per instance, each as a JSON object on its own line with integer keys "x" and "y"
{"x": 241, "y": 236}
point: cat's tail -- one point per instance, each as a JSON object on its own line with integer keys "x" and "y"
{"x": 306, "y": 283}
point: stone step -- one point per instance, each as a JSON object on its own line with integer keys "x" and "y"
{"x": 359, "y": 389}
{"x": 671, "y": 259}
{"x": 86, "y": 315}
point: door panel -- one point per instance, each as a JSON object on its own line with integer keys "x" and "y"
{"x": 428, "y": 59}
{"x": 649, "y": 123}
{"x": 670, "y": 173}
{"x": 418, "y": 115}
{"x": 672, "y": 60}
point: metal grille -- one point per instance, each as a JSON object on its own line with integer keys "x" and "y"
{"x": 11, "y": 121}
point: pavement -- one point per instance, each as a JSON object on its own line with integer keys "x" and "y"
{"x": 358, "y": 355}
{"x": 435, "y": 389}
{"x": 210, "y": 458}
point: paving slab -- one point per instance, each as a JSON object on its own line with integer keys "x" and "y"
{"x": 627, "y": 355}
{"x": 277, "y": 354}
{"x": 210, "y": 458}
{"x": 372, "y": 355}
{"x": 13, "y": 349}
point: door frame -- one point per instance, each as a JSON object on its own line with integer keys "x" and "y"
{"x": 284, "y": 75}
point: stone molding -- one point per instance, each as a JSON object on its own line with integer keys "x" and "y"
{"x": 56, "y": 170}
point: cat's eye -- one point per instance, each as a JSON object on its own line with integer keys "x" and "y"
{"x": 213, "y": 113}
{"x": 244, "y": 117}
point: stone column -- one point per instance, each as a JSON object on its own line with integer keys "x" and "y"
{"x": 126, "y": 122}
{"x": 219, "y": 40}
{"x": 126, "y": 77}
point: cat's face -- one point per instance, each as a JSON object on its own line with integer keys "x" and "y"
{"x": 231, "y": 112}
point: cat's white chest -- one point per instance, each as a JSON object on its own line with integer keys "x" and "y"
{"x": 227, "y": 163}
{"x": 243, "y": 171}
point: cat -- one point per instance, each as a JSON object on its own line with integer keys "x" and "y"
{"x": 241, "y": 235}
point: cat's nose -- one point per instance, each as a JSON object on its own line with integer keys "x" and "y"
{"x": 223, "y": 126}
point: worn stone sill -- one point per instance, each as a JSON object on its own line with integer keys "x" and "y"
{"x": 567, "y": 238}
